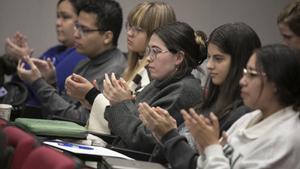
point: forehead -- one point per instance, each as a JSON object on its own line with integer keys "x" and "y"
{"x": 65, "y": 6}
{"x": 87, "y": 19}
{"x": 213, "y": 49}
{"x": 156, "y": 41}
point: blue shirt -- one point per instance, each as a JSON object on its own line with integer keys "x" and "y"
{"x": 64, "y": 60}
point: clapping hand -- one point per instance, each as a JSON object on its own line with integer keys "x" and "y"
{"x": 28, "y": 75}
{"x": 115, "y": 90}
{"x": 204, "y": 130}
{"x": 158, "y": 120}
{"x": 77, "y": 86}
{"x": 46, "y": 68}
{"x": 17, "y": 46}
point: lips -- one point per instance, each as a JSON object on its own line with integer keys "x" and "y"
{"x": 76, "y": 44}
{"x": 243, "y": 93}
{"x": 150, "y": 69}
{"x": 129, "y": 42}
{"x": 213, "y": 74}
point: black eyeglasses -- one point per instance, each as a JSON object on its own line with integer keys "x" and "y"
{"x": 83, "y": 30}
{"x": 152, "y": 52}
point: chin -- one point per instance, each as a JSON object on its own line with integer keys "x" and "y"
{"x": 61, "y": 40}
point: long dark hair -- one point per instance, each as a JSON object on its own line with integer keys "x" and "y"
{"x": 239, "y": 41}
{"x": 281, "y": 65}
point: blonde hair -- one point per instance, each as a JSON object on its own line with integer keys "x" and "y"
{"x": 148, "y": 16}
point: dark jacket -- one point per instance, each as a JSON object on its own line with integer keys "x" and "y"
{"x": 62, "y": 105}
{"x": 172, "y": 94}
{"x": 7, "y": 67}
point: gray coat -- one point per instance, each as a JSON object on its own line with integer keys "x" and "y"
{"x": 62, "y": 105}
{"x": 172, "y": 94}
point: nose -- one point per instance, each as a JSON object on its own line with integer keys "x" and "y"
{"x": 58, "y": 21}
{"x": 243, "y": 81}
{"x": 149, "y": 59}
{"x": 129, "y": 32}
{"x": 76, "y": 33}
{"x": 210, "y": 63}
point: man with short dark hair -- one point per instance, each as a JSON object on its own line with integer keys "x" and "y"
{"x": 97, "y": 31}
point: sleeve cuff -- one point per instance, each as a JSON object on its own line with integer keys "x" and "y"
{"x": 172, "y": 133}
{"x": 91, "y": 95}
{"x": 39, "y": 82}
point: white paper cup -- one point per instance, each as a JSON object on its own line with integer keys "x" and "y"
{"x": 5, "y": 110}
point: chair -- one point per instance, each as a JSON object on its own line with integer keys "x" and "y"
{"x": 44, "y": 157}
{"x": 22, "y": 142}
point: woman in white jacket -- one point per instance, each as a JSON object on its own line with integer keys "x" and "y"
{"x": 268, "y": 137}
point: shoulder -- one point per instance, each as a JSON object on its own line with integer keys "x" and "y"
{"x": 53, "y": 50}
{"x": 244, "y": 120}
{"x": 189, "y": 84}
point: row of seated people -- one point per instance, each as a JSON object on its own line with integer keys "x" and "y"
{"x": 172, "y": 88}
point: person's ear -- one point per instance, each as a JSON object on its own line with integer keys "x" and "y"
{"x": 179, "y": 57}
{"x": 108, "y": 37}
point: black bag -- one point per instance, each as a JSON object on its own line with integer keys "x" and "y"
{"x": 16, "y": 96}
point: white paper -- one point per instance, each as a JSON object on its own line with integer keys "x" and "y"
{"x": 89, "y": 150}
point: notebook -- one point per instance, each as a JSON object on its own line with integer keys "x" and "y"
{"x": 86, "y": 152}
{"x": 57, "y": 128}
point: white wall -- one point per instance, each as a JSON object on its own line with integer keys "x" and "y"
{"x": 36, "y": 18}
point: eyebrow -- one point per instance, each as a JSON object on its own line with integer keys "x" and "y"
{"x": 85, "y": 27}
{"x": 154, "y": 46}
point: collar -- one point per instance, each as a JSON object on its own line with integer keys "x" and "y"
{"x": 254, "y": 129}
{"x": 105, "y": 56}
{"x": 172, "y": 79}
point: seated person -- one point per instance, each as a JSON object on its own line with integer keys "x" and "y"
{"x": 96, "y": 36}
{"x": 172, "y": 53}
{"x": 288, "y": 22}
{"x": 63, "y": 57}
{"x": 267, "y": 137}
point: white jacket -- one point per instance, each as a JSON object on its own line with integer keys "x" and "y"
{"x": 272, "y": 143}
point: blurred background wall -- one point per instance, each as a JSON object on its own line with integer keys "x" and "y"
{"x": 36, "y": 18}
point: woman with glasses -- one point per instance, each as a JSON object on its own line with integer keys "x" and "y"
{"x": 141, "y": 22}
{"x": 63, "y": 57}
{"x": 172, "y": 52}
{"x": 229, "y": 48}
{"x": 267, "y": 137}
{"x": 289, "y": 24}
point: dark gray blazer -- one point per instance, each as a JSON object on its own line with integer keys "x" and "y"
{"x": 109, "y": 61}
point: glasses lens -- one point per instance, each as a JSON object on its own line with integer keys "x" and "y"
{"x": 79, "y": 29}
{"x": 147, "y": 51}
